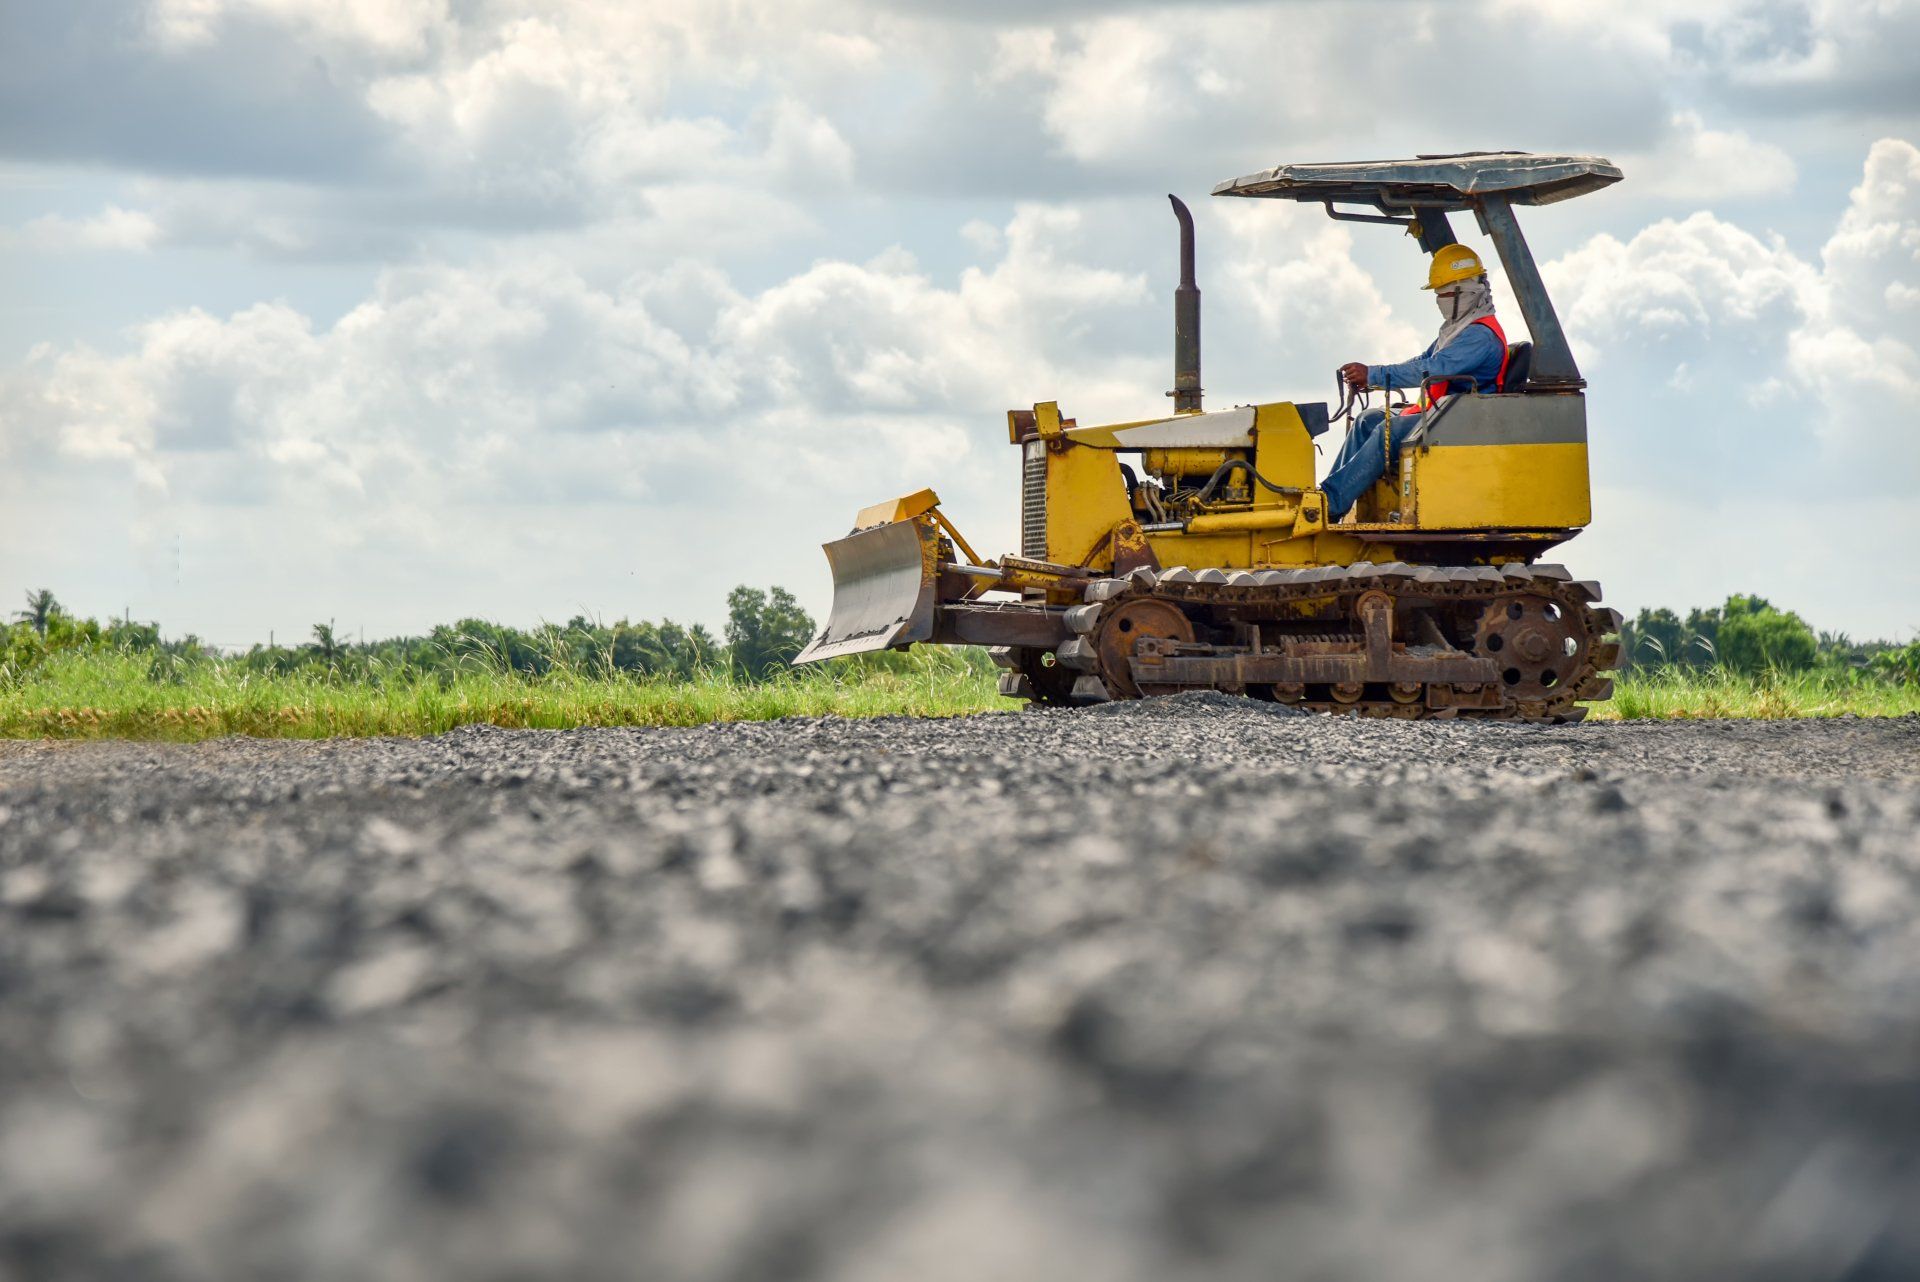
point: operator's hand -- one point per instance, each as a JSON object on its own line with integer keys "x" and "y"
{"x": 1354, "y": 374}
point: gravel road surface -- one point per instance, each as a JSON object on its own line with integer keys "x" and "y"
{"x": 1188, "y": 989}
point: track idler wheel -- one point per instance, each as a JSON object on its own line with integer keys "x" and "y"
{"x": 1122, "y": 628}
{"x": 1035, "y": 675}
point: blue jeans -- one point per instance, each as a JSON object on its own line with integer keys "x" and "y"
{"x": 1361, "y": 460}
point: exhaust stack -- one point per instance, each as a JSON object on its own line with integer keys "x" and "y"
{"x": 1186, "y": 320}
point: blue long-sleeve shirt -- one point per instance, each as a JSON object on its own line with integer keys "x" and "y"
{"x": 1476, "y": 354}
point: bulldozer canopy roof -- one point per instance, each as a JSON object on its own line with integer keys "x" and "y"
{"x": 1444, "y": 182}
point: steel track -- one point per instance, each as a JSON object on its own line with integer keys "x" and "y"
{"x": 1254, "y": 631}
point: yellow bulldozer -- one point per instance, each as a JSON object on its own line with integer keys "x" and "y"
{"x": 1193, "y": 552}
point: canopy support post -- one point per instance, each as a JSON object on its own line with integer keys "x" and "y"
{"x": 1553, "y": 363}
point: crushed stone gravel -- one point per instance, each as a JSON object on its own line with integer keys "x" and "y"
{"x": 1189, "y": 988}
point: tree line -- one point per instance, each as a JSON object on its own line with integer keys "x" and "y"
{"x": 765, "y": 629}
{"x": 1750, "y": 635}
{"x": 763, "y": 632}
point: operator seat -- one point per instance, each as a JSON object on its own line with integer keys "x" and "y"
{"x": 1519, "y": 365}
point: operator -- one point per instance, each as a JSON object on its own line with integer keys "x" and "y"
{"x": 1470, "y": 352}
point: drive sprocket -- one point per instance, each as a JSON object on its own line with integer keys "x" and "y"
{"x": 1537, "y": 641}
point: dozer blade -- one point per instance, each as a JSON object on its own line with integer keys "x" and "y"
{"x": 885, "y": 585}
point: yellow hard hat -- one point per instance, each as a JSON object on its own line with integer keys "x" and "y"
{"x": 1452, "y": 263}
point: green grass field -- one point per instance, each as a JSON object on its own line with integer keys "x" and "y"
{"x": 1688, "y": 693}
{"x": 108, "y": 696}
{"x": 117, "y": 696}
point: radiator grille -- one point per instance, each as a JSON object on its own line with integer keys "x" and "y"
{"x": 1033, "y": 500}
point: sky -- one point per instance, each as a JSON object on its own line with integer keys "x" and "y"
{"x": 391, "y": 312}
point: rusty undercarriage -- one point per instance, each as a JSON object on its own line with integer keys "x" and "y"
{"x": 1393, "y": 640}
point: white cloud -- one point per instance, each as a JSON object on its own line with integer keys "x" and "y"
{"x": 1112, "y": 88}
{"x": 515, "y": 115}
{"x": 1698, "y": 163}
{"x": 734, "y": 423}
{"x": 113, "y": 228}
{"x": 1692, "y": 276}
{"x": 881, "y": 336}
{"x": 454, "y": 389}
{"x": 389, "y": 27}
{"x": 1853, "y": 53}
{"x": 414, "y": 115}
{"x": 1230, "y": 85}
{"x": 1831, "y": 348}
{"x": 1293, "y": 270}
{"x": 805, "y": 149}
{"x": 76, "y": 404}
{"x": 524, "y": 88}
{"x": 1860, "y": 350}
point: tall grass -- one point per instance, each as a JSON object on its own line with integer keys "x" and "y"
{"x": 114, "y": 694}
{"x": 120, "y": 695}
{"x": 1693, "y": 693}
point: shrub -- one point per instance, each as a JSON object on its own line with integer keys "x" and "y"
{"x": 1754, "y": 637}
{"x": 765, "y": 630}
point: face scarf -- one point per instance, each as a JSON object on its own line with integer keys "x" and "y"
{"x": 1461, "y": 304}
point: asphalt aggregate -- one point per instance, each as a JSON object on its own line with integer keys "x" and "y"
{"x": 1193, "y": 988}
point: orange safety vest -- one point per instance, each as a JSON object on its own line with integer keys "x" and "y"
{"x": 1434, "y": 389}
